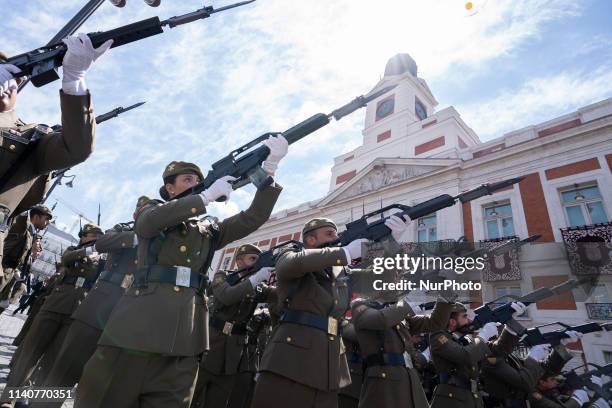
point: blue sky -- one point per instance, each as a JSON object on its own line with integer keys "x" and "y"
{"x": 212, "y": 85}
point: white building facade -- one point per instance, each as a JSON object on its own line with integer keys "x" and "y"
{"x": 411, "y": 153}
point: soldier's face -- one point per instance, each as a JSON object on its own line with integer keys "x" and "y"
{"x": 458, "y": 322}
{"x": 547, "y": 384}
{"x": 8, "y": 98}
{"x": 90, "y": 236}
{"x": 182, "y": 183}
{"x": 246, "y": 261}
{"x": 320, "y": 237}
{"x": 40, "y": 222}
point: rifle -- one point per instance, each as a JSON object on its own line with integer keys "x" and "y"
{"x": 503, "y": 314}
{"x": 247, "y": 168}
{"x": 377, "y": 230}
{"x": 432, "y": 304}
{"x": 267, "y": 259}
{"x": 576, "y": 381}
{"x": 71, "y": 27}
{"x": 534, "y": 335}
{"x": 41, "y": 64}
{"x": 59, "y": 174}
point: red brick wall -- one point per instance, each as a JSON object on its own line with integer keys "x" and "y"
{"x": 284, "y": 238}
{"x": 562, "y": 301}
{"x": 609, "y": 159}
{"x": 383, "y": 136}
{"x": 346, "y": 176}
{"x": 468, "y": 228}
{"x": 534, "y": 206}
{"x": 488, "y": 150}
{"x": 475, "y": 298}
{"x": 430, "y": 145}
{"x": 559, "y": 128}
{"x": 572, "y": 168}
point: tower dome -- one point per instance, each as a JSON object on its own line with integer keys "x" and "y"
{"x": 399, "y": 64}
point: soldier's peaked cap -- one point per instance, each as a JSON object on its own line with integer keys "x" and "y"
{"x": 248, "y": 249}
{"x": 41, "y": 210}
{"x": 90, "y": 228}
{"x": 175, "y": 168}
{"x": 317, "y": 223}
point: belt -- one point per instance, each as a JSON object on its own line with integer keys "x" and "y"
{"x": 385, "y": 359}
{"x": 228, "y": 328}
{"x": 353, "y": 357}
{"x": 78, "y": 281}
{"x": 112, "y": 277}
{"x": 175, "y": 275}
{"x": 470, "y": 385}
{"x": 324, "y": 323}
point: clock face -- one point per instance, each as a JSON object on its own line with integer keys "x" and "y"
{"x": 385, "y": 108}
{"x": 420, "y": 110}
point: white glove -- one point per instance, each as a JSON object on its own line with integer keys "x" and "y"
{"x": 135, "y": 243}
{"x": 539, "y": 352}
{"x": 220, "y": 188}
{"x": 581, "y": 397}
{"x": 596, "y": 380}
{"x": 6, "y": 77}
{"x": 601, "y": 403}
{"x": 353, "y": 249}
{"x": 488, "y": 330}
{"x": 574, "y": 336}
{"x": 427, "y": 354}
{"x": 519, "y": 309}
{"x": 415, "y": 307}
{"x": 90, "y": 250}
{"x": 397, "y": 226}
{"x": 261, "y": 275}
{"x": 78, "y": 59}
{"x": 279, "y": 147}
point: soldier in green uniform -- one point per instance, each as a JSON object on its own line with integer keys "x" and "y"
{"x": 235, "y": 300}
{"x": 384, "y": 328}
{"x": 21, "y": 242}
{"x": 81, "y": 268}
{"x": 149, "y": 350}
{"x": 91, "y": 315}
{"x": 28, "y": 153}
{"x": 348, "y": 397}
{"x": 458, "y": 359}
{"x": 509, "y": 381}
{"x": 304, "y": 364}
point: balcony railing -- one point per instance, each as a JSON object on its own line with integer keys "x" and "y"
{"x": 599, "y": 311}
{"x": 588, "y": 248}
{"x": 503, "y": 267}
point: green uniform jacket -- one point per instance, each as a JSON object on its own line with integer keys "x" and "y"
{"x": 55, "y": 150}
{"x": 17, "y": 244}
{"x": 233, "y": 304}
{"x": 167, "y": 319}
{"x": 305, "y": 354}
{"x": 515, "y": 378}
{"x": 390, "y": 327}
{"x": 65, "y": 297}
{"x": 463, "y": 363}
{"x": 102, "y": 298}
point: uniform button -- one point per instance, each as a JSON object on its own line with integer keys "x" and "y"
{"x": 450, "y": 394}
{"x": 331, "y": 338}
{"x": 288, "y": 339}
{"x": 335, "y": 301}
{"x": 338, "y": 262}
{"x": 12, "y": 147}
{"x": 183, "y": 248}
{"x": 137, "y": 292}
{"x": 397, "y": 327}
{"x": 82, "y": 270}
{"x": 177, "y": 289}
{"x": 383, "y": 375}
{"x": 333, "y": 284}
{"x": 188, "y": 260}
{"x": 123, "y": 244}
{"x": 135, "y": 261}
{"x": 194, "y": 210}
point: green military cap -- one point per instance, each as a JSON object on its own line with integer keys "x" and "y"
{"x": 90, "y": 228}
{"x": 458, "y": 307}
{"x": 248, "y": 249}
{"x": 142, "y": 200}
{"x": 317, "y": 223}
{"x": 41, "y": 210}
{"x": 174, "y": 168}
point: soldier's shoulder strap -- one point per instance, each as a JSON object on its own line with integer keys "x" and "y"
{"x": 440, "y": 337}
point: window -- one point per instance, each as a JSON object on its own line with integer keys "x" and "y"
{"x": 498, "y": 221}
{"x": 427, "y": 229}
{"x": 583, "y": 206}
{"x": 419, "y": 109}
{"x": 607, "y": 356}
{"x": 226, "y": 262}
